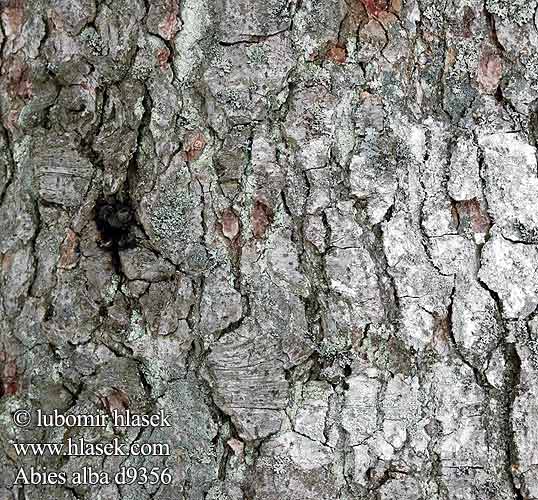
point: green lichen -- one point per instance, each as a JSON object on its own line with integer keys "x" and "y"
{"x": 279, "y": 464}
{"x": 530, "y": 63}
{"x": 233, "y": 98}
{"x": 222, "y": 63}
{"x": 140, "y": 70}
{"x": 256, "y": 55}
{"x": 93, "y": 41}
{"x": 518, "y": 11}
{"x": 21, "y": 149}
{"x": 168, "y": 217}
{"x": 468, "y": 57}
{"x": 136, "y": 326}
{"x": 217, "y": 493}
{"x": 111, "y": 289}
{"x": 329, "y": 350}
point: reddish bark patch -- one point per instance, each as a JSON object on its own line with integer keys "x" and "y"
{"x": 376, "y": 7}
{"x": 12, "y": 16}
{"x": 472, "y": 214}
{"x": 170, "y": 25}
{"x": 194, "y": 145}
{"x": 69, "y": 251}
{"x": 162, "y": 57}
{"x": 230, "y": 224}
{"x": 19, "y": 83}
{"x": 9, "y": 384}
{"x": 7, "y": 261}
{"x": 490, "y": 70}
{"x": 336, "y": 53}
{"x": 262, "y": 217}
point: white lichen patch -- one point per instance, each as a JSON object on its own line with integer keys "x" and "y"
{"x": 517, "y": 11}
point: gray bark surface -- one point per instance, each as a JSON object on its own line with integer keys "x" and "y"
{"x": 305, "y": 230}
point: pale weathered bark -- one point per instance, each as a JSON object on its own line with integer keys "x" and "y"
{"x": 305, "y": 229}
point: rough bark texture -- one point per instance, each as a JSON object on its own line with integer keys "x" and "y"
{"x": 307, "y": 230}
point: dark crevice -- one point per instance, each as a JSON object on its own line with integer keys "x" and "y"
{"x": 512, "y": 381}
{"x": 490, "y": 20}
{"x": 252, "y": 39}
{"x": 115, "y": 221}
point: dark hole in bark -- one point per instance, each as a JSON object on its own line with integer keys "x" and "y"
{"x": 115, "y": 221}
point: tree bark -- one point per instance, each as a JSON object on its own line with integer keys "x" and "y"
{"x": 306, "y": 231}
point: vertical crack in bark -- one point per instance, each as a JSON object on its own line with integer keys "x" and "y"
{"x": 513, "y": 374}
{"x": 11, "y": 162}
